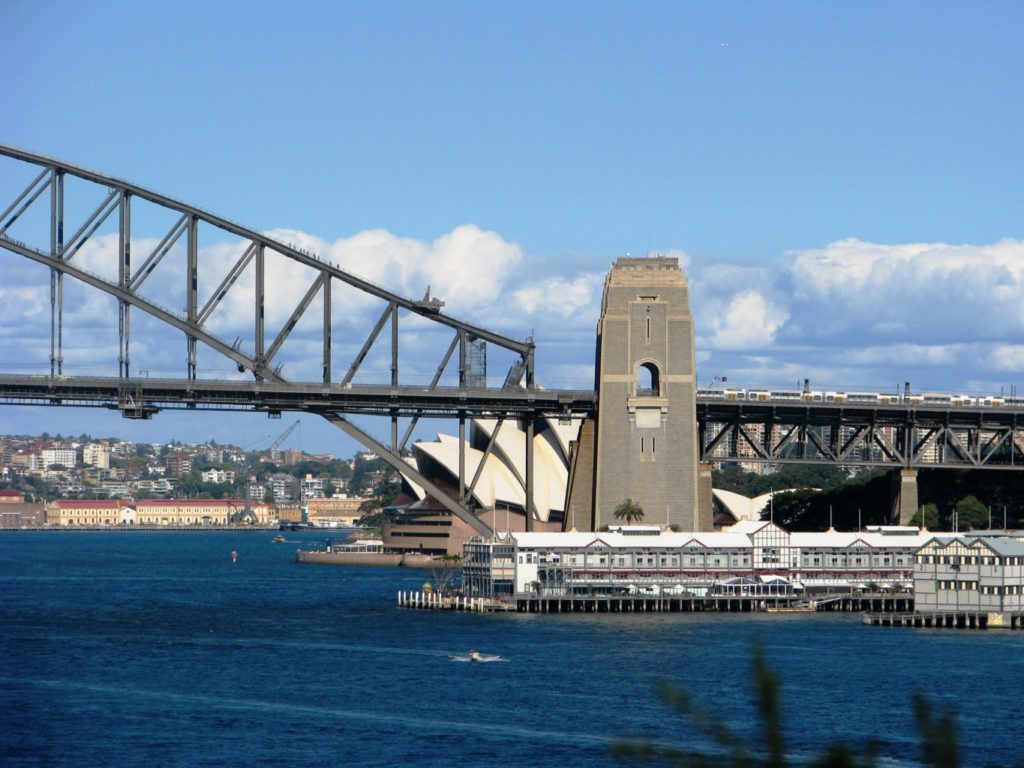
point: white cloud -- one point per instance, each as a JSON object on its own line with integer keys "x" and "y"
{"x": 861, "y": 314}
{"x": 33, "y": 302}
{"x": 906, "y": 354}
{"x": 562, "y": 297}
{"x": 748, "y": 321}
{"x": 908, "y": 292}
{"x": 466, "y": 268}
{"x": 1007, "y": 357}
{"x": 851, "y": 313}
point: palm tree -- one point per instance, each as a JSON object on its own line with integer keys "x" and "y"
{"x": 629, "y": 511}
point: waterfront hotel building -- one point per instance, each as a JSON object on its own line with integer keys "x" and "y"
{"x": 742, "y": 559}
{"x": 976, "y": 572}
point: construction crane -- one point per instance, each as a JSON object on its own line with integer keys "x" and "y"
{"x": 246, "y": 514}
{"x": 281, "y": 438}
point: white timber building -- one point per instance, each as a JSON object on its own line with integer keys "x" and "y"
{"x": 751, "y": 557}
{"x": 977, "y": 572}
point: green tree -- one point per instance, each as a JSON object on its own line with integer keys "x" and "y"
{"x": 629, "y": 511}
{"x": 971, "y": 514}
{"x": 930, "y": 513}
{"x": 446, "y": 570}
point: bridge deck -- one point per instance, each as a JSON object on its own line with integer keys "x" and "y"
{"x": 155, "y": 394}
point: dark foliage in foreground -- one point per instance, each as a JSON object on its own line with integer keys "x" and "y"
{"x": 937, "y": 732}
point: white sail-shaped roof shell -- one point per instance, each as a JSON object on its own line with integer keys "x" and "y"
{"x": 561, "y": 434}
{"x": 498, "y": 484}
{"x": 417, "y": 489}
{"x": 550, "y": 469}
{"x": 502, "y": 480}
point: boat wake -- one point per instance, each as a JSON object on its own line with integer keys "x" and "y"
{"x": 478, "y": 658}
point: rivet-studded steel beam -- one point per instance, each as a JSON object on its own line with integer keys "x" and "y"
{"x": 898, "y": 435}
{"x": 183, "y": 246}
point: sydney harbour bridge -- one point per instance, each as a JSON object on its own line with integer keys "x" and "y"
{"x": 62, "y": 209}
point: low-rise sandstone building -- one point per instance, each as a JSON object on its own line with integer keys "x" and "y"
{"x": 166, "y": 513}
{"x": 332, "y": 512}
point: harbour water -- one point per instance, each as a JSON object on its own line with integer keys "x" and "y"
{"x": 153, "y": 648}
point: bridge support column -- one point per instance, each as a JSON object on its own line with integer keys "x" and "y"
{"x": 705, "y": 505}
{"x": 906, "y": 501}
{"x": 645, "y": 446}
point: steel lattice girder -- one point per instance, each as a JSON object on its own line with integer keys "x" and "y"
{"x": 59, "y": 258}
{"x": 140, "y": 398}
{"x": 895, "y": 436}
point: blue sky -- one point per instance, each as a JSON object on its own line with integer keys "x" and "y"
{"x": 842, "y": 181}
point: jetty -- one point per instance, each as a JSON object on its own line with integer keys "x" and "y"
{"x": 946, "y": 619}
{"x": 879, "y": 603}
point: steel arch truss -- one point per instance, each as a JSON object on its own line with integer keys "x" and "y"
{"x": 60, "y": 259}
{"x": 896, "y": 436}
{"x": 137, "y": 397}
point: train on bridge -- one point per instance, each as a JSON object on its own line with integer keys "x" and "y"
{"x": 924, "y": 400}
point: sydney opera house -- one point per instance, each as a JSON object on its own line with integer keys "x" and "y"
{"x": 418, "y": 523}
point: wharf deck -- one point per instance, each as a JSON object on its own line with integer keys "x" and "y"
{"x": 882, "y": 604}
{"x": 946, "y": 619}
{"x": 714, "y": 603}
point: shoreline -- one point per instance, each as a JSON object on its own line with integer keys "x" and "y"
{"x": 142, "y": 529}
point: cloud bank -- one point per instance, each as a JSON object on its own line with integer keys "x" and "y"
{"x": 851, "y": 313}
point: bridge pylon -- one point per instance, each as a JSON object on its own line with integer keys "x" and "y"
{"x": 906, "y": 501}
{"x": 643, "y": 443}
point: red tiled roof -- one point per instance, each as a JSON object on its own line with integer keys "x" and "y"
{"x": 197, "y": 503}
{"x": 91, "y": 503}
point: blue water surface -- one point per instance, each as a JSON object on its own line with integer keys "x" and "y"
{"x": 153, "y": 648}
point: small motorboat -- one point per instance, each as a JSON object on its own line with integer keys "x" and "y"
{"x": 280, "y": 539}
{"x": 476, "y": 656}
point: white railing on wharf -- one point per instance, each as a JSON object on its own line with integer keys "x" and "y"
{"x": 435, "y": 601}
